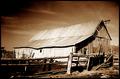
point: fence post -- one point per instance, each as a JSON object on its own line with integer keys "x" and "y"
{"x": 44, "y": 65}
{"x": 89, "y": 64}
{"x": 69, "y": 63}
{"x": 50, "y": 65}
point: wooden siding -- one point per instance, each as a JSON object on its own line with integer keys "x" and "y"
{"x": 41, "y": 53}
{"x": 96, "y": 46}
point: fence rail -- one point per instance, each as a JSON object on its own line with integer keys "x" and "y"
{"x": 91, "y": 60}
{"x": 35, "y": 58}
{"x": 31, "y": 62}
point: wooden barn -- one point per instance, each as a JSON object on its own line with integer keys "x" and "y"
{"x": 85, "y": 39}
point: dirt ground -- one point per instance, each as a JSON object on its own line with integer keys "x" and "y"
{"x": 110, "y": 72}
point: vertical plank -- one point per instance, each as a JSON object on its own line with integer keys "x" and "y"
{"x": 77, "y": 62}
{"x": 50, "y": 65}
{"x": 88, "y": 64}
{"x": 25, "y": 68}
{"x": 69, "y": 63}
{"x": 44, "y": 65}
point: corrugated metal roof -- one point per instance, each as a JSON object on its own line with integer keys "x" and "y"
{"x": 64, "y": 36}
{"x": 63, "y": 41}
{"x": 68, "y": 31}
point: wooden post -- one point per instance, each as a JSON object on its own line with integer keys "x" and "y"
{"x": 111, "y": 60}
{"x": 104, "y": 62}
{"x": 25, "y": 68}
{"x": 69, "y": 63}
{"x": 44, "y": 66}
{"x": 49, "y": 66}
{"x": 77, "y": 62}
{"x": 88, "y": 64}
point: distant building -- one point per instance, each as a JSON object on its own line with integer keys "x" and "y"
{"x": 64, "y": 40}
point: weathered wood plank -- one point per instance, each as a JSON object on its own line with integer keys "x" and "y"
{"x": 104, "y": 62}
{"x": 88, "y": 64}
{"x": 32, "y": 64}
{"x": 35, "y": 58}
{"x": 69, "y": 63}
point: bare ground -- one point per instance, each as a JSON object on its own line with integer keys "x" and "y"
{"x": 111, "y": 72}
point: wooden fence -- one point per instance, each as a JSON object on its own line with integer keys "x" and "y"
{"x": 91, "y": 61}
{"x": 44, "y": 63}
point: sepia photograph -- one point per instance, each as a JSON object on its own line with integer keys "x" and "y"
{"x": 59, "y": 39}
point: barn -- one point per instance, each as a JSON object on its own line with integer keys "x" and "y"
{"x": 68, "y": 39}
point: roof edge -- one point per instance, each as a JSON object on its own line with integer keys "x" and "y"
{"x": 45, "y": 47}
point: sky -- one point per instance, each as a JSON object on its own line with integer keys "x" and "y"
{"x": 21, "y": 20}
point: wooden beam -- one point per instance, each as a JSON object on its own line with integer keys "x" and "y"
{"x": 79, "y": 55}
{"x": 44, "y": 65}
{"x": 88, "y": 64}
{"x": 50, "y": 66}
{"x": 69, "y": 63}
{"x": 104, "y": 62}
{"x": 34, "y": 58}
{"x": 32, "y": 64}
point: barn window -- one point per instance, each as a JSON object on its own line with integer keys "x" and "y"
{"x": 40, "y": 50}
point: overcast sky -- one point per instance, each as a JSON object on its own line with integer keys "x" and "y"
{"x": 21, "y": 22}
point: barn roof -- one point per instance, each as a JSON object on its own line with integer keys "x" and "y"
{"x": 67, "y": 31}
{"x": 63, "y": 36}
{"x": 57, "y": 42}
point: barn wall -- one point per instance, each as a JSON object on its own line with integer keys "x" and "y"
{"x": 103, "y": 33}
{"x": 26, "y": 53}
{"x": 56, "y": 52}
{"x": 96, "y": 46}
{"x": 101, "y": 43}
{"x": 84, "y": 43}
{"x": 41, "y": 53}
